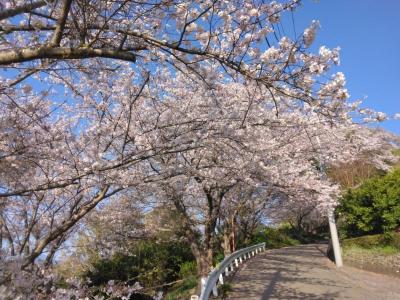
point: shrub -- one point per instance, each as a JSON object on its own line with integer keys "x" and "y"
{"x": 275, "y": 237}
{"x": 149, "y": 263}
{"x": 373, "y": 207}
{"x": 188, "y": 268}
{"x": 388, "y": 239}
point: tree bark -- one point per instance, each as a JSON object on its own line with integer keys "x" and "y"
{"x": 9, "y": 238}
{"x": 226, "y": 243}
{"x": 57, "y": 36}
{"x": 25, "y": 8}
{"x": 23, "y": 55}
{"x": 49, "y": 259}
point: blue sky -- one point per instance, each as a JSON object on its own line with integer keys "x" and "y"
{"x": 368, "y": 33}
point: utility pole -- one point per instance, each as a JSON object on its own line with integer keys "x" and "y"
{"x": 331, "y": 218}
{"x": 335, "y": 238}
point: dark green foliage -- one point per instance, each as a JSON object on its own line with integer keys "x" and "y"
{"x": 184, "y": 288}
{"x": 219, "y": 256}
{"x": 373, "y": 207}
{"x": 150, "y": 263}
{"x": 373, "y": 241}
{"x": 187, "y": 269}
{"x": 275, "y": 237}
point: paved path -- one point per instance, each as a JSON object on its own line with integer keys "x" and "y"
{"x": 304, "y": 272}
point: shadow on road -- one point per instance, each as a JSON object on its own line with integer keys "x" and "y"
{"x": 285, "y": 274}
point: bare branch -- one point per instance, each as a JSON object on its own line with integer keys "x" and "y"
{"x": 18, "y": 56}
{"x": 56, "y": 39}
{"x": 67, "y": 224}
{"x": 8, "y": 13}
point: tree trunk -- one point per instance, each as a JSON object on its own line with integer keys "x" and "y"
{"x": 226, "y": 243}
{"x": 232, "y": 237}
{"x": 9, "y": 239}
{"x": 204, "y": 262}
{"x": 50, "y": 256}
{"x": 1, "y": 237}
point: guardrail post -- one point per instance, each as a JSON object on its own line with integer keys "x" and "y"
{"x": 227, "y": 271}
{"x": 252, "y": 253}
{"x": 215, "y": 290}
{"x": 335, "y": 239}
{"x": 221, "y": 279}
{"x": 236, "y": 262}
{"x": 240, "y": 259}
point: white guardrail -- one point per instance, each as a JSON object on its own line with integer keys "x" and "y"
{"x": 225, "y": 267}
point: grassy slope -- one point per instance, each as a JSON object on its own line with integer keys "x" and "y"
{"x": 378, "y": 253}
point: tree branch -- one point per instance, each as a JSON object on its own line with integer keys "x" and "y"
{"x": 25, "y": 8}
{"x": 56, "y": 39}
{"x": 19, "y": 56}
{"x": 66, "y": 225}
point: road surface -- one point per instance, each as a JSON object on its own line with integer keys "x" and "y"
{"x": 303, "y": 272}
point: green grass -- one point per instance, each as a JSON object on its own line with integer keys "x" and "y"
{"x": 182, "y": 290}
{"x": 383, "y": 250}
{"x": 373, "y": 241}
{"x": 381, "y": 244}
{"x": 396, "y": 152}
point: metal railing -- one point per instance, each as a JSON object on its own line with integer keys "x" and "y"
{"x": 225, "y": 267}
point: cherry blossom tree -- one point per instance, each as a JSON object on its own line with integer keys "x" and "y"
{"x": 238, "y": 145}
{"x": 189, "y": 100}
{"x": 244, "y": 209}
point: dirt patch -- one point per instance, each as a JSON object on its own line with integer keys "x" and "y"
{"x": 383, "y": 264}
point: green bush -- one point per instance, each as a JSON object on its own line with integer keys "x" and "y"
{"x": 149, "y": 262}
{"x": 373, "y": 207}
{"x": 389, "y": 239}
{"x": 188, "y": 268}
{"x": 218, "y": 257}
{"x": 275, "y": 237}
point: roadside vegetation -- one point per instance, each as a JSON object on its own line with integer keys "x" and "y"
{"x": 369, "y": 219}
{"x": 378, "y": 253}
{"x": 163, "y": 265}
{"x": 373, "y": 207}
